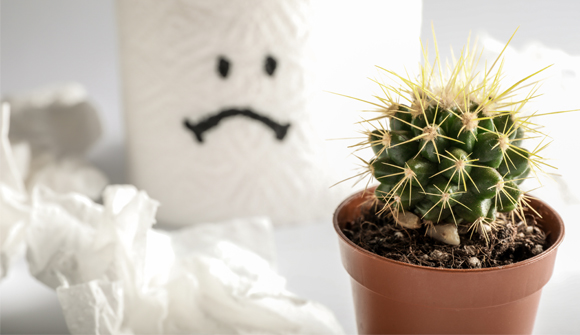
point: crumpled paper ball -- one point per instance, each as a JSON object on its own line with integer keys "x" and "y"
{"x": 116, "y": 275}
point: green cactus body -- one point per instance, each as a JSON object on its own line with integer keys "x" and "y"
{"x": 455, "y": 164}
{"x": 508, "y": 197}
{"x": 429, "y": 211}
{"x": 473, "y": 207}
{"x": 446, "y": 176}
{"x": 401, "y": 120}
{"x": 402, "y": 147}
{"x": 515, "y": 164}
{"x": 485, "y": 181}
{"x": 487, "y": 150}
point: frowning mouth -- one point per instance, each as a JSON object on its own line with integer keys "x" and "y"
{"x": 212, "y": 121}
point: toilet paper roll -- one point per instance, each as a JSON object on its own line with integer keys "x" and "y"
{"x": 224, "y": 102}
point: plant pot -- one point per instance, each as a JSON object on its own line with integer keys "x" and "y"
{"x": 396, "y": 297}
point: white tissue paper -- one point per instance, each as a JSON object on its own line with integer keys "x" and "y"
{"x": 51, "y": 131}
{"x": 264, "y": 64}
{"x": 69, "y": 174}
{"x": 44, "y": 137}
{"x": 116, "y": 275}
{"x": 13, "y": 197}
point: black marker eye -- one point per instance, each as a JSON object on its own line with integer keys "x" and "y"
{"x": 223, "y": 66}
{"x": 270, "y": 65}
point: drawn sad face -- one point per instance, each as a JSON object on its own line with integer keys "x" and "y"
{"x": 224, "y": 69}
{"x": 217, "y": 98}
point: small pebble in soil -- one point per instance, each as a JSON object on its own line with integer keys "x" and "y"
{"x": 446, "y": 233}
{"x": 439, "y": 255}
{"x": 474, "y": 263}
{"x": 408, "y": 220}
{"x": 484, "y": 228}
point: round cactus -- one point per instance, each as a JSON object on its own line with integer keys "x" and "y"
{"x": 447, "y": 146}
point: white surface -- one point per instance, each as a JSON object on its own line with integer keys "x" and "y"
{"x": 47, "y": 41}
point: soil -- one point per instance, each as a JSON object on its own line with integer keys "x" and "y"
{"x": 513, "y": 241}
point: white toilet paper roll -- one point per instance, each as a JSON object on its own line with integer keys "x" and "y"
{"x": 225, "y": 112}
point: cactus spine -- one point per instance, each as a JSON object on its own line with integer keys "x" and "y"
{"x": 447, "y": 145}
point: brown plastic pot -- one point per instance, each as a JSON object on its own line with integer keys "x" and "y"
{"x": 396, "y": 297}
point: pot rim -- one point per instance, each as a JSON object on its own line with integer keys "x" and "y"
{"x": 526, "y": 262}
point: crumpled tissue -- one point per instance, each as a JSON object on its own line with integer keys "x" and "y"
{"x": 116, "y": 275}
{"x": 13, "y": 198}
{"x": 69, "y": 174}
{"x": 44, "y": 137}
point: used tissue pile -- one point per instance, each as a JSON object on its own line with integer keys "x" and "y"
{"x": 114, "y": 274}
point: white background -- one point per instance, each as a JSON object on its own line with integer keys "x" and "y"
{"x": 47, "y": 41}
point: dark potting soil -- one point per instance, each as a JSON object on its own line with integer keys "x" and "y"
{"x": 512, "y": 242}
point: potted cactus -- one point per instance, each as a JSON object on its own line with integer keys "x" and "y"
{"x": 448, "y": 241}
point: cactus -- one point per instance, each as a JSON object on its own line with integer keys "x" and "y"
{"x": 448, "y": 145}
